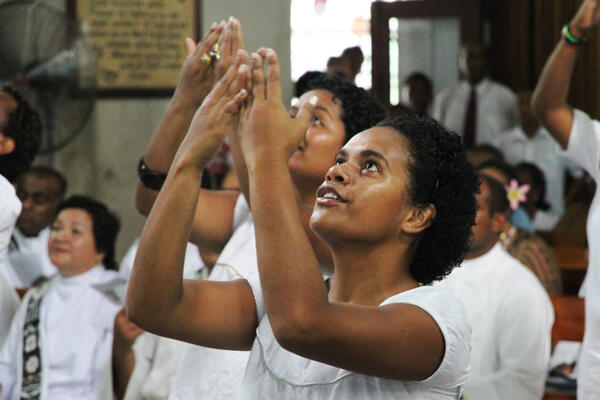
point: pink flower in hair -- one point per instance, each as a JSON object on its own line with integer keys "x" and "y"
{"x": 516, "y": 194}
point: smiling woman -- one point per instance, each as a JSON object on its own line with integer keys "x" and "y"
{"x": 79, "y": 303}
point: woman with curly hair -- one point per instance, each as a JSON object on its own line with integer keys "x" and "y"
{"x": 222, "y": 222}
{"x": 396, "y": 209}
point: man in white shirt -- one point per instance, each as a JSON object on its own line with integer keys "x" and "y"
{"x": 476, "y": 107}
{"x": 510, "y": 313}
{"x": 40, "y": 190}
{"x": 530, "y": 142}
{"x": 20, "y": 133}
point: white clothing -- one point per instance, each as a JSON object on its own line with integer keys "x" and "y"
{"x": 544, "y": 152}
{"x": 156, "y": 361}
{"x": 275, "y": 373}
{"x": 10, "y": 209}
{"x": 192, "y": 262}
{"x": 584, "y": 149}
{"x": 511, "y": 318}
{"x": 76, "y": 328}
{"x": 157, "y": 358}
{"x": 30, "y": 260}
{"x": 9, "y": 302}
{"x": 496, "y": 108}
{"x": 206, "y": 373}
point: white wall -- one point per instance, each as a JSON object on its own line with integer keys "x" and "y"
{"x": 101, "y": 161}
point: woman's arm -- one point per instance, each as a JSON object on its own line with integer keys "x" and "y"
{"x": 549, "y": 100}
{"x": 213, "y": 314}
{"x": 398, "y": 341}
{"x": 214, "y": 212}
{"x": 123, "y": 358}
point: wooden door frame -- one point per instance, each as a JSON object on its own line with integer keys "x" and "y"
{"x": 381, "y": 12}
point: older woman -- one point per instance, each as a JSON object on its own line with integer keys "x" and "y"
{"x": 60, "y": 340}
{"x": 396, "y": 210}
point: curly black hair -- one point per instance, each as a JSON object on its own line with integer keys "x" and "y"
{"x": 360, "y": 110}
{"x": 105, "y": 225}
{"x": 25, "y": 128}
{"x": 440, "y": 174}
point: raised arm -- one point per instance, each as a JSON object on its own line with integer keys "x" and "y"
{"x": 399, "y": 341}
{"x": 214, "y": 212}
{"x": 207, "y": 313}
{"x": 549, "y": 100}
{"x": 320, "y": 248}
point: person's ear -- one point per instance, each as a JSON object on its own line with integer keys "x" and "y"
{"x": 498, "y": 221}
{"x": 7, "y": 144}
{"x": 99, "y": 258}
{"x": 419, "y": 219}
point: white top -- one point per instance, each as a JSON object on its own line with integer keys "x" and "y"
{"x": 545, "y": 153}
{"x": 192, "y": 262}
{"x": 156, "y": 361}
{"x": 206, "y": 373}
{"x": 496, "y": 108}
{"x": 10, "y": 208}
{"x": 30, "y": 260}
{"x": 584, "y": 149}
{"x": 511, "y": 317}
{"x": 275, "y": 373}
{"x": 9, "y": 302}
{"x": 76, "y": 325}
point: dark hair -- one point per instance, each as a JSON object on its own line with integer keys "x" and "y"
{"x": 419, "y": 76}
{"x": 501, "y": 166}
{"x": 537, "y": 178}
{"x": 360, "y": 110}
{"x": 490, "y": 151}
{"x": 300, "y": 87}
{"x": 440, "y": 175}
{"x": 42, "y": 171}
{"x": 498, "y": 199}
{"x": 105, "y": 226}
{"x": 25, "y": 128}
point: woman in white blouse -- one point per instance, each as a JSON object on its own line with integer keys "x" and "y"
{"x": 60, "y": 340}
{"x": 396, "y": 209}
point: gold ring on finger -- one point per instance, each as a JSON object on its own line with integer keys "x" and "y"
{"x": 206, "y": 58}
{"x": 215, "y": 55}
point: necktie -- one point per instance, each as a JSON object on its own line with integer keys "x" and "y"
{"x": 470, "y": 120}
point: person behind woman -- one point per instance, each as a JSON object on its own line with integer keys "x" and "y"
{"x": 527, "y": 247}
{"x": 530, "y": 174}
{"x": 576, "y": 132}
{"x": 59, "y": 343}
{"x": 396, "y": 209}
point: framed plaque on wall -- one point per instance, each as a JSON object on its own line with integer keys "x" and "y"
{"x": 139, "y": 44}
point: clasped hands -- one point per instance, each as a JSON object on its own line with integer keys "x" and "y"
{"x": 246, "y": 103}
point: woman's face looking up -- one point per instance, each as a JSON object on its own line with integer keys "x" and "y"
{"x": 365, "y": 194}
{"x": 324, "y": 137}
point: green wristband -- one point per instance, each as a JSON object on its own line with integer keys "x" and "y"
{"x": 569, "y": 38}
